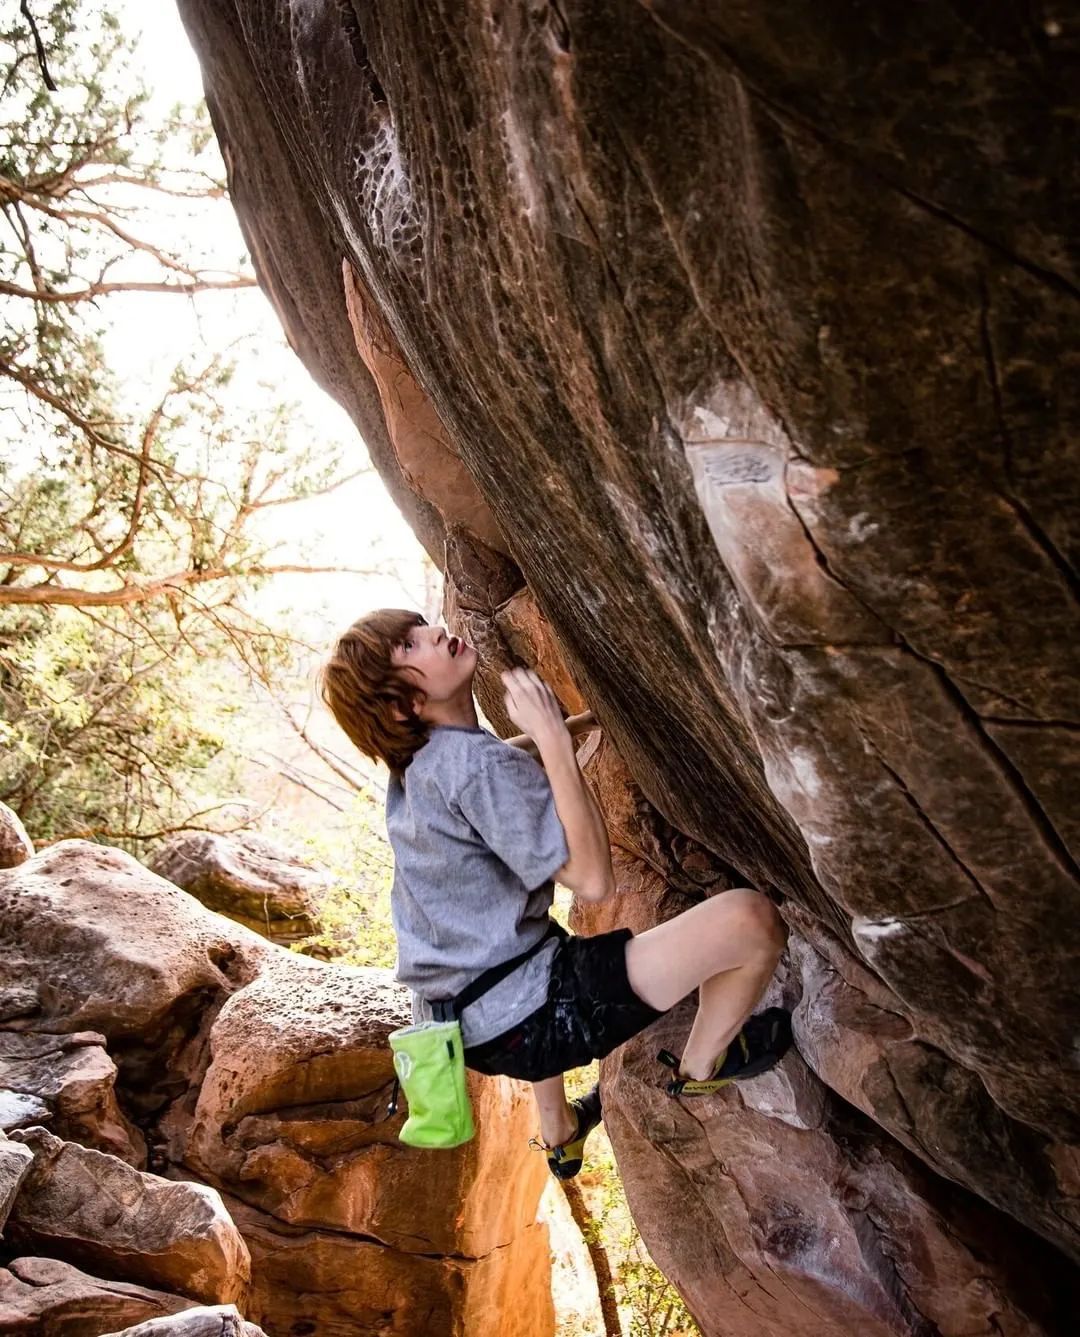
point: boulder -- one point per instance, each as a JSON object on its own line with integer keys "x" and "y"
{"x": 800, "y": 1204}
{"x": 102, "y": 944}
{"x": 15, "y": 845}
{"x": 291, "y": 1122}
{"x": 247, "y": 878}
{"x": 21, "y": 1111}
{"x": 204, "y": 1321}
{"x": 755, "y": 329}
{"x": 67, "y": 1082}
{"x": 746, "y": 1208}
{"x": 99, "y": 1212}
{"x": 17, "y": 1000}
{"x": 45, "y": 1297}
{"x": 515, "y": 632}
{"x": 308, "y": 1280}
{"x": 423, "y": 447}
{"x": 15, "y": 1163}
{"x": 264, "y": 1073}
{"x": 292, "y": 1118}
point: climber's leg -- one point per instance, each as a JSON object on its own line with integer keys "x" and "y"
{"x": 558, "y": 1121}
{"x": 729, "y": 946}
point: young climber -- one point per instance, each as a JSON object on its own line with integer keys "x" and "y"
{"x": 480, "y": 832}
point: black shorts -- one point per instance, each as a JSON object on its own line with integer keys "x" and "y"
{"x": 590, "y": 1010}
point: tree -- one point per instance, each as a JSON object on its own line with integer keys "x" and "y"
{"x": 130, "y": 535}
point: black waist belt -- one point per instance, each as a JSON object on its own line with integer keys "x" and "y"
{"x": 450, "y": 1009}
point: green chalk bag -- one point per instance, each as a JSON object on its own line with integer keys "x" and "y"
{"x": 430, "y": 1065}
{"x": 429, "y": 1061}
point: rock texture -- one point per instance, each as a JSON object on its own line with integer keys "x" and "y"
{"x": 99, "y": 1212}
{"x": 755, "y": 329}
{"x": 343, "y": 1285}
{"x": 15, "y": 845}
{"x": 205, "y": 1321}
{"x": 247, "y": 878}
{"x": 257, "y": 1081}
{"x": 100, "y": 944}
{"x": 67, "y": 1081}
{"x": 291, "y": 1124}
{"x": 291, "y": 1117}
{"x": 15, "y": 1163}
{"x": 800, "y": 1201}
{"x": 45, "y": 1297}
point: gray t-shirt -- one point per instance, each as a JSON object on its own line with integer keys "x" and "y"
{"x": 476, "y": 841}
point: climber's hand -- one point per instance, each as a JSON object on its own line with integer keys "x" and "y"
{"x": 532, "y": 705}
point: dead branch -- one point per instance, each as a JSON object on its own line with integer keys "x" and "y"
{"x": 55, "y": 594}
{"x": 96, "y": 290}
{"x": 324, "y": 756}
{"x": 16, "y": 193}
{"x": 189, "y": 824}
{"x": 39, "y": 47}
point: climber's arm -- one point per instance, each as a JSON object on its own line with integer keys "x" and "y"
{"x": 533, "y": 707}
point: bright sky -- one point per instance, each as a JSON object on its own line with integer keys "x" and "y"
{"x": 355, "y": 526}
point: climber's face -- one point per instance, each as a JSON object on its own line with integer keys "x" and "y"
{"x": 441, "y": 666}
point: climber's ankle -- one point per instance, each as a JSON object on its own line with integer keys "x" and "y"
{"x": 558, "y": 1131}
{"x": 699, "y": 1067}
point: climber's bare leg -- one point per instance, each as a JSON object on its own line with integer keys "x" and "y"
{"x": 558, "y": 1122}
{"x": 729, "y": 946}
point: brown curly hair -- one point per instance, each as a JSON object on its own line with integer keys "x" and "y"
{"x": 363, "y": 689}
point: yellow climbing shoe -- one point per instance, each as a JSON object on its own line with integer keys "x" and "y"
{"x": 564, "y": 1160}
{"x": 759, "y": 1046}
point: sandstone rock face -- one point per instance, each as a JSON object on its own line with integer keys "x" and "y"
{"x": 99, "y": 1212}
{"x": 246, "y": 878}
{"x": 110, "y": 946}
{"x": 423, "y": 448}
{"x": 340, "y": 1285}
{"x": 44, "y": 1297}
{"x": 803, "y": 1208}
{"x": 817, "y": 1224}
{"x": 15, "y": 845}
{"x": 102, "y": 944}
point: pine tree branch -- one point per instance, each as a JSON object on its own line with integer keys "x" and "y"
{"x": 18, "y": 194}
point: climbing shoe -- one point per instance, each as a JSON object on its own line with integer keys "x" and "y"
{"x": 759, "y": 1046}
{"x": 564, "y": 1160}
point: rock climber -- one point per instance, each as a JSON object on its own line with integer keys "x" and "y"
{"x": 480, "y": 832}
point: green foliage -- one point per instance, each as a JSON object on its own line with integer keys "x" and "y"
{"x": 355, "y": 920}
{"x": 131, "y": 524}
{"x": 104, "y": 733}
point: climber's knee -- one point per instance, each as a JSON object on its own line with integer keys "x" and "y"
{"x": 757, "y": 921}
